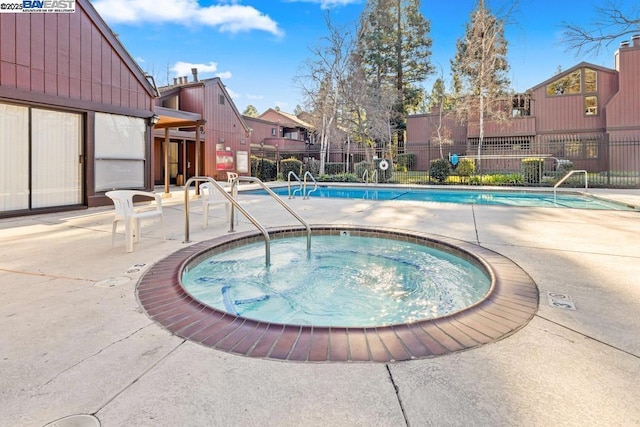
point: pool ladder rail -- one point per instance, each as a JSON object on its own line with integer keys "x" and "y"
{"x": 302, "y": 188}
{"x": 374, "y": 175}
{"x": 564, "y": 178}
{"x": 232, "y": 198}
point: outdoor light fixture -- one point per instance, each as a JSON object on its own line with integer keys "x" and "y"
{"x": 153, "y": 120}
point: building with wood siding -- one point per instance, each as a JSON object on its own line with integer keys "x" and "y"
{"x": 220, "y": 142}
{"x": 75, "y": 112}
{"x": 281, "y": 131}
{"x": 566, "y": 116}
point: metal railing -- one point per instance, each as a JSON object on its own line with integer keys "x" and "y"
{"x": 236, "y": 205}
{"x": 564, "y": 178}
{"x": 306, "y": 195}
{"x": 277, "y": 199}
{"x": 365, "y": 176}
{"x": 293, "y": 195}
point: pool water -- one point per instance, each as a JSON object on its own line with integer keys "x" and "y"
{"x": 347, "y": 281}
{"x": 476, "y": 197}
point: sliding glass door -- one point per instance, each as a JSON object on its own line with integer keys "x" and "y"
{"x": 40, "y": 158}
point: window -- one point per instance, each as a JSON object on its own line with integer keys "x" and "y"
{"x": 590, "y": 105}
{"x": 567, "y": 85}
{"x": 590, "y": 80}
{"x": 120, "y": 152}
{"x": 273, "y": 131}
{"x": 221, "y": 99}
{"x": 576, "y": 147}
{"x": 521, "y": 105}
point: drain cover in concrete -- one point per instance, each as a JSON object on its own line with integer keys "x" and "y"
{"x": 112, "y": 282}
{"x": 80, "y": 420}
{"x": 560, "y": 300}
{"x": 136, "y": 268}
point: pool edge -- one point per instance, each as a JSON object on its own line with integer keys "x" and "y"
{"x": 508, "y": 307}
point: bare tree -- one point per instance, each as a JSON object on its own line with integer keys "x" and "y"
{"x": 481, "y": 64}
{"x": 611, "y": 23}
{"x": 323, "y": 81}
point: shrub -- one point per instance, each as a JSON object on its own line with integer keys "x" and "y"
{"x": 466, "y": 167}
{"x": 359, "y": 169}
{"x": 532, "y": 170}
{"x": 439, "y": 170}
{"x": 406, "y": 161}
{"x": 263, "y": 169}
{"x": 564, "y": 166}
{"x": 290, "y": 165}
{"x": 333, "y": 168}
{"x": 342, "y": 177}
{"x": 313, "y": 166}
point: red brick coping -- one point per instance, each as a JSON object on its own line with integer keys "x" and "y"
{"x": 508, "y": 306}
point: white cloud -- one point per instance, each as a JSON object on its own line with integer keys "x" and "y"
{"x": 328, "y": 4}
{"x": 182, "y": 68}
{"x": 232, "y": 18}
{"x": 224, "y": 75}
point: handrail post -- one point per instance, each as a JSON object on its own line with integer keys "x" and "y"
{"x": 564, "y": 178}
{"x": 234, "y": 203}
{"x": 232, "y": 198}
{"x": 284, "y": 205}
{"x": 305, "y": 195}
{"x": 292, "y": 196}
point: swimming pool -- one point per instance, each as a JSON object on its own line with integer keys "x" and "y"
{"x": 474, "y": 197}
{"x": 344, "y": 281}
{"x": 509, "y": 305}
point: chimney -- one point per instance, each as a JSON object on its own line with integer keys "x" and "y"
{"x": 624, "y": 44}
{"x": 636, "y": 40}
{"x": 186, "y": 79}
{"x": 175, "y": 81}
{"x": 194, "y": 71}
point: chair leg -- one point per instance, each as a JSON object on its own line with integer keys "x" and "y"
{"x": 113, "y": 232}
{"x": 129, "y": 224}
{"x": 205, "y": 215}
{"x": 136, "y": 230}
{"x": 164, "y": 234}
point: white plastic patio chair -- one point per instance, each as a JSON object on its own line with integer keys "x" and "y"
{"x": 231, "y": 176}
{"x": 126, "y": 212}
{"x": 211, "y": 197}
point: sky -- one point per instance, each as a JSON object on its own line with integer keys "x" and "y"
{"x": 258, "y": 47}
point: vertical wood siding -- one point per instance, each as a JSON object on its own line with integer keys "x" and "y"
{"x": 624, "y": 109}
{"x": 66, "y": 55}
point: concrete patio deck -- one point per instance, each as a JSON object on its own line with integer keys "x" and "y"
{"x": 75, "y": 340}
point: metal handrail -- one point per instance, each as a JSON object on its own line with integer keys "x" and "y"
{"x": 234, "y": 203}
{"x": 374, "y": 175}
{"x": 279, "y": 200}
{"x": 564, "y": 178}
{"x": 293, "y": 195}
{"x": 306, "y": 195}
{"x": 365, "y": 176}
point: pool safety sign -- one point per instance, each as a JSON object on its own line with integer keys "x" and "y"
{"x": 559, "y": 300}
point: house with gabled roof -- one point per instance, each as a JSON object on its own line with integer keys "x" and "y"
{"x": 572, "y": 115}
{"x": 284, "y": 132}
{"x": 75, "y": 112}
{"x": 217, "y": 141}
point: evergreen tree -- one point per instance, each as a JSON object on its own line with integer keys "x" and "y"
{"x": 395, "y": 49}
{"x": 250, "y": 111}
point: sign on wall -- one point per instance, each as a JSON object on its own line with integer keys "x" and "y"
{"x": 242, "y": 157}
{"x": 224, "y": 160}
